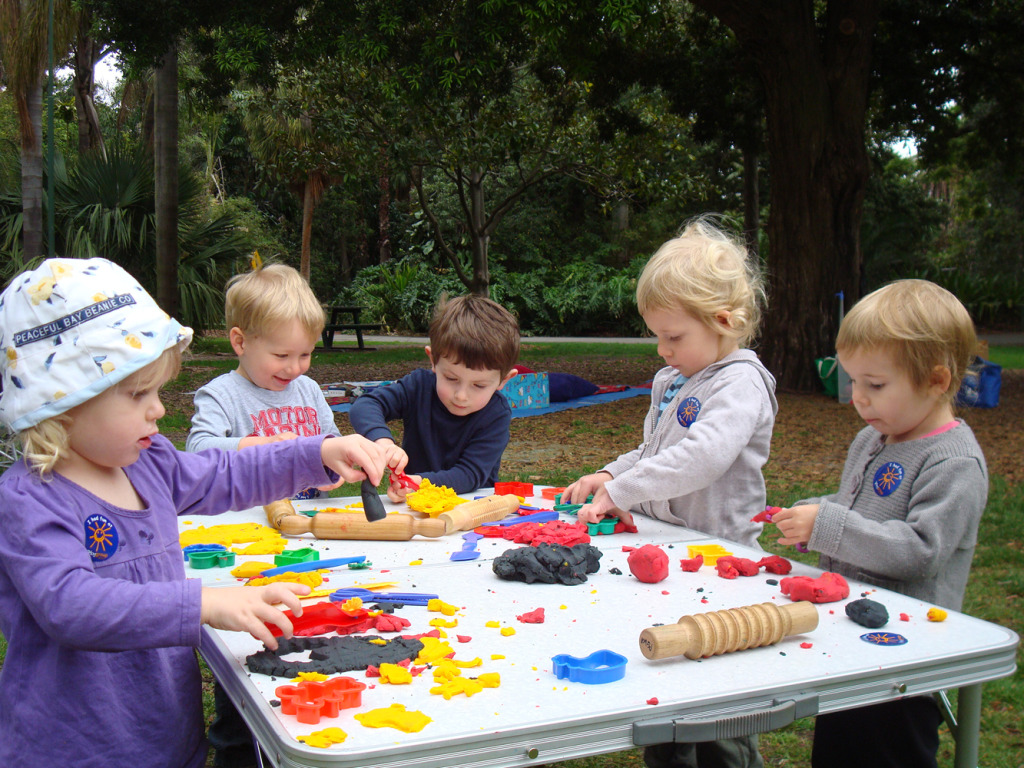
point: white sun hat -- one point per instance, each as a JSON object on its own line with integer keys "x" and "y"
{"x": 72, "y": 328}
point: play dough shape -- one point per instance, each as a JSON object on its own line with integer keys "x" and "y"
{"x": 649, "y": 564}
{"x": 827, "y": 588}
{"x": 395, "y": 716}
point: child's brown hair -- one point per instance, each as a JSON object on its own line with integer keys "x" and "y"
{"x": 476, "y": 332}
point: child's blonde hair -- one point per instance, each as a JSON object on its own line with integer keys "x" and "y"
{"x": 46, "y": 443}
{"x": 260, "y": 300}
{"x": 705, "y": 271}
{"x": 476, "y": 332}
{"x": 922, "y": 324}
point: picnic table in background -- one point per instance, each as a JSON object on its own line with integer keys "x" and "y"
{"x": 335, "y": 314}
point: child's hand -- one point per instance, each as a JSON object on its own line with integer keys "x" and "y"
{"x": 795, "y": 523}
{"x": 397, "y": 492}
{"x": 577, "y": 492}
{"x": 394, "y": 457}
{"x": 602, "y": 506}
{"x": 245, "y": 609}
{"x": 245, "y": 442}
{"x": 354, "y": 458}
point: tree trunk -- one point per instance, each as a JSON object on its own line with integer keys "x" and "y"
{"x": 816, "y": 88}
{"x": 384, "y": 210}
{"x": 751, "y": 201}
{"x": 307, "y": 228}
{"x": 89, "y": 135}
{"x": 480, "y": 236}
{"x": 165, "y": 158}
{"x": 32, "y": 172}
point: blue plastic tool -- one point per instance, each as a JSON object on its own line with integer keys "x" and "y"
{"x": 406, "y": 598}
{"x": 313, "y": 565}
{"x": 469, "y": 550}
{"x": 599, "y": 667}
{"x": 534, "y": 517}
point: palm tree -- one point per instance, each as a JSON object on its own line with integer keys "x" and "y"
{"x": 23, "y": 51}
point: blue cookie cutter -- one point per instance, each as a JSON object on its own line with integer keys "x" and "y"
{"x": 599, "y": 667}
{"x": 192, "y": 548}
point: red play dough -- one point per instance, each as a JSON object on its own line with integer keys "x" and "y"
{"x": 740, "y": 565}
{"x": 648, "y": 563}
{"x": 693, "y": 564}
{"x": 775, "y": 564}
{"x": 653, "y": 700}
{"x": 535, "y": 616}
{"x": 388, "y": 622}
{"x": 827, "y": 588}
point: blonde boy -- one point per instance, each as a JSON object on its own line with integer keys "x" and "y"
{"x": 910, "y": 499}
{"x": 273, "y": 322}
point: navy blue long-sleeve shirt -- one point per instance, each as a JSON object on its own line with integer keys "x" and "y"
{"x": 461, "y": 452}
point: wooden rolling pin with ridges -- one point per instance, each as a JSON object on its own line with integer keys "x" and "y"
{"x": 343, "y": 525}
{"x": 490, "y": 509}
{"x": 734, "y": 629}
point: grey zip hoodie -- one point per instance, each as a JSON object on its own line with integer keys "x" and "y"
{"x": 700, "y": 463}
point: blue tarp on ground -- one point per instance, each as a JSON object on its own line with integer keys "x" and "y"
{"x": 579, "y": 402}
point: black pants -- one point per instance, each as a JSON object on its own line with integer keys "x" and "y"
{"x": 724, "y": 753}
{"x": 233, "y": 744}
{"x": 896, "y": 734}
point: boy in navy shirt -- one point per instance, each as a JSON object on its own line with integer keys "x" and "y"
{"x": 456, "y": 425}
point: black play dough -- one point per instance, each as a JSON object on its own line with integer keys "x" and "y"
{"x": 867, "y": 613}
{"x": 548, "y": 563}
{"x": 332, "y": 655}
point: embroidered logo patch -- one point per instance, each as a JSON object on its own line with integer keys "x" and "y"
{"x": 100, "y": 537}
{"x": 888, "y": 478}
{"x": 687, "y": 411}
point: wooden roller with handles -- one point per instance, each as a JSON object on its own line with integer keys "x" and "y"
{"x": 401, "y": 527}
{"x": 734, "y": 629}
{"x": 329, "y": 525}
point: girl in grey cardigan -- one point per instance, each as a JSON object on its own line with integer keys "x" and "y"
{"x": 709, "y": 427}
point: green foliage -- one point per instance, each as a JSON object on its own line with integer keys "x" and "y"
{"x": 902, "y": 221}
{"x": 105, "y": 207}
{"x": 401, "y": 294}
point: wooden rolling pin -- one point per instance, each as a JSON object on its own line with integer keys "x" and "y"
{"x": 490, "y": 509}
{"x": 734, "y": 629}
{"x": 401, "y": 527}
{"x": 329, "y": 525}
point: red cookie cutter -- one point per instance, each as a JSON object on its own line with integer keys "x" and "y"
{"x": 516, "y": 489}
{"x": 310, "y": 699}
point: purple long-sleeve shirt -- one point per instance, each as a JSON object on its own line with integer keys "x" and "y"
{"x": 100, "y": 621}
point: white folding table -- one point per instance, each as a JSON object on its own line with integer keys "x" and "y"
{"x": 533, "y": 717}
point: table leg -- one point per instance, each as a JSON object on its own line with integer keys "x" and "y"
{"x": 968, "y": 710}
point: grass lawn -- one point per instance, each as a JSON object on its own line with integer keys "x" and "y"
{"x": 995, "y": 591}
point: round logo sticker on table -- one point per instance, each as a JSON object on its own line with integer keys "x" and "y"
{"x": 687, "y": 411}
{"x": 884, "y": 638}
{"x": 101, "y": 537}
